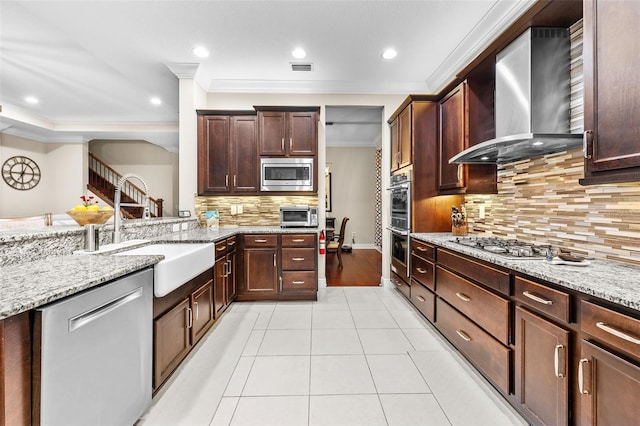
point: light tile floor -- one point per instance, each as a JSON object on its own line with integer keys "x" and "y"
{"x": 357, "y": 356}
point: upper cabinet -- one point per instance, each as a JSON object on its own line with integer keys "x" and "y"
{"x": 285, "y": 132}
{"x": 402, "y": 138}
{"x": 227, "y": 153}
{"x": 612, "y": 91}
{"x": 466, "y": 118}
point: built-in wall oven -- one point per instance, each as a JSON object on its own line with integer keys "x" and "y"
{"x": 400, "y": 194}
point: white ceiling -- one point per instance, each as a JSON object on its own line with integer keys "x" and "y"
{"x": 94, "y": 65}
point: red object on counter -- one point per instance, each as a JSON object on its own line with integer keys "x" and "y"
{"x": 323, "y": 242}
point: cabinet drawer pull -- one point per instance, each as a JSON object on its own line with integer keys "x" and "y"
{"x": 260, "y": 241}
{"x": 463, "y": 335}
{"x": 297, "y": 259}
{"x": 231, "y": 243}
{"x": 617, "y": 333}
{"x": 398, "y": 284}
{"x": 556, "y": 361}
{"x": 189, "y": 318}
{"x": 422, "y": 270}
{"x": 583, "y": 391}
{"x": 221, "y": 248}
{"x": 420, "y": 248}
{"x": 298, "y": 240}
{"x": 537, "y": 298}
{"x": 420, "y": 298}
{"x": 298, "y": 282}
{"x": 463, "y": 296}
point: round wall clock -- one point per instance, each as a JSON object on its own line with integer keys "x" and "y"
{"x": 21, "y": 172}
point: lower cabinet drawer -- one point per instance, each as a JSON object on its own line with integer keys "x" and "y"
{"x": 614, "y": 328}
{"x": 261, "y": 240}
{"x": 401, "y": 285}
{"x": 487, "y": 309}
{"x": 424, "y": 300}
{"x": 422, "y": 271}
{"x": 294, "y": 281}
{"x": 299, "y": 259}
{"x": 489, "y": 355}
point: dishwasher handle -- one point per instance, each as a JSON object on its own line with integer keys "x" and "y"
{"x": 99, "y": 311}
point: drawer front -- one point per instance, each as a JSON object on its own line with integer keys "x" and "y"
{"x": 422, "y": 250}
{"x": 491, "y": 357}
{"x": 422, "y": 271}
{"x": 231, "y": 243}
{"x": 298, "y": 240}
{"x": 261, "y": 240}
{"x": 401, "y": 285}
{"x": 619, "y": 330}
{"x": 299, "y": 259}
{"x": 549, "y": 301}
{"x": 489, "y": 310}
{"x": 299, "y": 281}
{"x": 424, "y": 300}
{"x": 486, "y": 275}
{"x": 221, "y": 248}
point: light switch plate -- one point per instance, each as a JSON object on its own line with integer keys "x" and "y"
{"x": 234, "y": 209}
{"x": 240, "y": 209}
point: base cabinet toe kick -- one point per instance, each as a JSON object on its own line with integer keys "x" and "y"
{"x": 558, "y": 356}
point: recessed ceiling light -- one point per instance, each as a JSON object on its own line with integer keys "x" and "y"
{"x": 298, "y": 53}
{"x": 155, "y": 101}
{"x": 389, "y": 54}
{"x": 201, "y": 52}
{"x": 31, "y": 100}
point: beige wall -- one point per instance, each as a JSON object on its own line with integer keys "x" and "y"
{"x": 64, "y": 177}
{"x": 353, "y": 177}
{"x": 157, "y": 166}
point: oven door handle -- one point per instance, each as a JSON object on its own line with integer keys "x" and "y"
{"x": 404, "y": 233}
{"x": 399, "y": 231}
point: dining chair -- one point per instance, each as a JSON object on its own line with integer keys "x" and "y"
{"x": 337, "y": 244}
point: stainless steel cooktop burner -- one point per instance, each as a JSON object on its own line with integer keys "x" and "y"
{"x": 506, "y": 247}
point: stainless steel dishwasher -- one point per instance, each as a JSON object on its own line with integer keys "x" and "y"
{"x": 95, "y": 357}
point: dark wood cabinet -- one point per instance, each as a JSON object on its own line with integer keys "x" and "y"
{"x": 288, "y": 132}
{"x": 224, "y": 276}
{"x": 611, "y": 91}
{"x": 260, "y": 267}
{"x": 394, "y": 128}
{"x": 172, "y": 341}
{"x": 541, "y": 368}
{"x": 454, "y": 128}
{"x": 402, "y": 139}
{"x": 15, "y": 369}
{"x": 227, "y": 153}
{"x": 181, "y": 319}
{"x": 299, "y": 265}
{"x": 608, "y": 387}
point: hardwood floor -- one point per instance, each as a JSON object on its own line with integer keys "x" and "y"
{"x": 361, "y": 267}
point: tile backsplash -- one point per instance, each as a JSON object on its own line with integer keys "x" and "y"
{"x": 541, "y": 201}
{"x": 256, "y": 210}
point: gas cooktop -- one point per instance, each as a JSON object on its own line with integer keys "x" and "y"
{"x": 506, "y": 247}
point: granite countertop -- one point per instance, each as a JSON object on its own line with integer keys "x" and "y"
{"x": 615, "y": 282}
{"x": 28, "y": 285}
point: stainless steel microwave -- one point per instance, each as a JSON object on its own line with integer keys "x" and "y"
{"x": 298, "y": 216}
{"x": 286, "y": 174}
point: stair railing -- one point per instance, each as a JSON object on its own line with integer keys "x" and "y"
{"x": 106, "y": 177}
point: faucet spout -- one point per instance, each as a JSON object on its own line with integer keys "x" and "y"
{"x": 117, "y": 203}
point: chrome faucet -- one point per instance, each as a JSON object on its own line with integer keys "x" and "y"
{"x": 117, "y": 204}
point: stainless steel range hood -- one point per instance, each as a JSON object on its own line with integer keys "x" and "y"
{"x": 531, "y": 101}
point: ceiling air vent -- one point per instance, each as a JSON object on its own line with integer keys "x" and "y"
{"x": 301, "y": 66}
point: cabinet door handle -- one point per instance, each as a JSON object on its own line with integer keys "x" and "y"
{"x": 228, "y": 267}
{"x": 556, "y": 361}
{"x": 618, "y": 333}
{"x": 235, "y": 180}
{"x": 275, "y": 264}
{"x": 586, "y": 136}
{"x": 189, "y": 318}
{"x": 226, "y": 180}
{"x": 537, "y": 298}
{"x": 290, "y": 144}
{"x": 459, "y": 172}
{"x": 280, "y": 282}
{"x": 464, "y": 336}
{"x": 583, "y": 391}
{"x": 298, "y": 240}
{"x": 195, "y": 304}
{"x": 420, "y": 298}
{"x": 259, "y": 241}
{"x": 282, "y": 144}
{"x": 463, "y": 296}
{"x": 422, "y": 270}
{"x": 298, "y": 282}
{"x": 297, "y": 259}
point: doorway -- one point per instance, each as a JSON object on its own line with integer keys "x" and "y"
{"x": 353, "y": 142}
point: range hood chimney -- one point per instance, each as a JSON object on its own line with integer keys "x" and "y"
{"x": 532, "y": 100}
